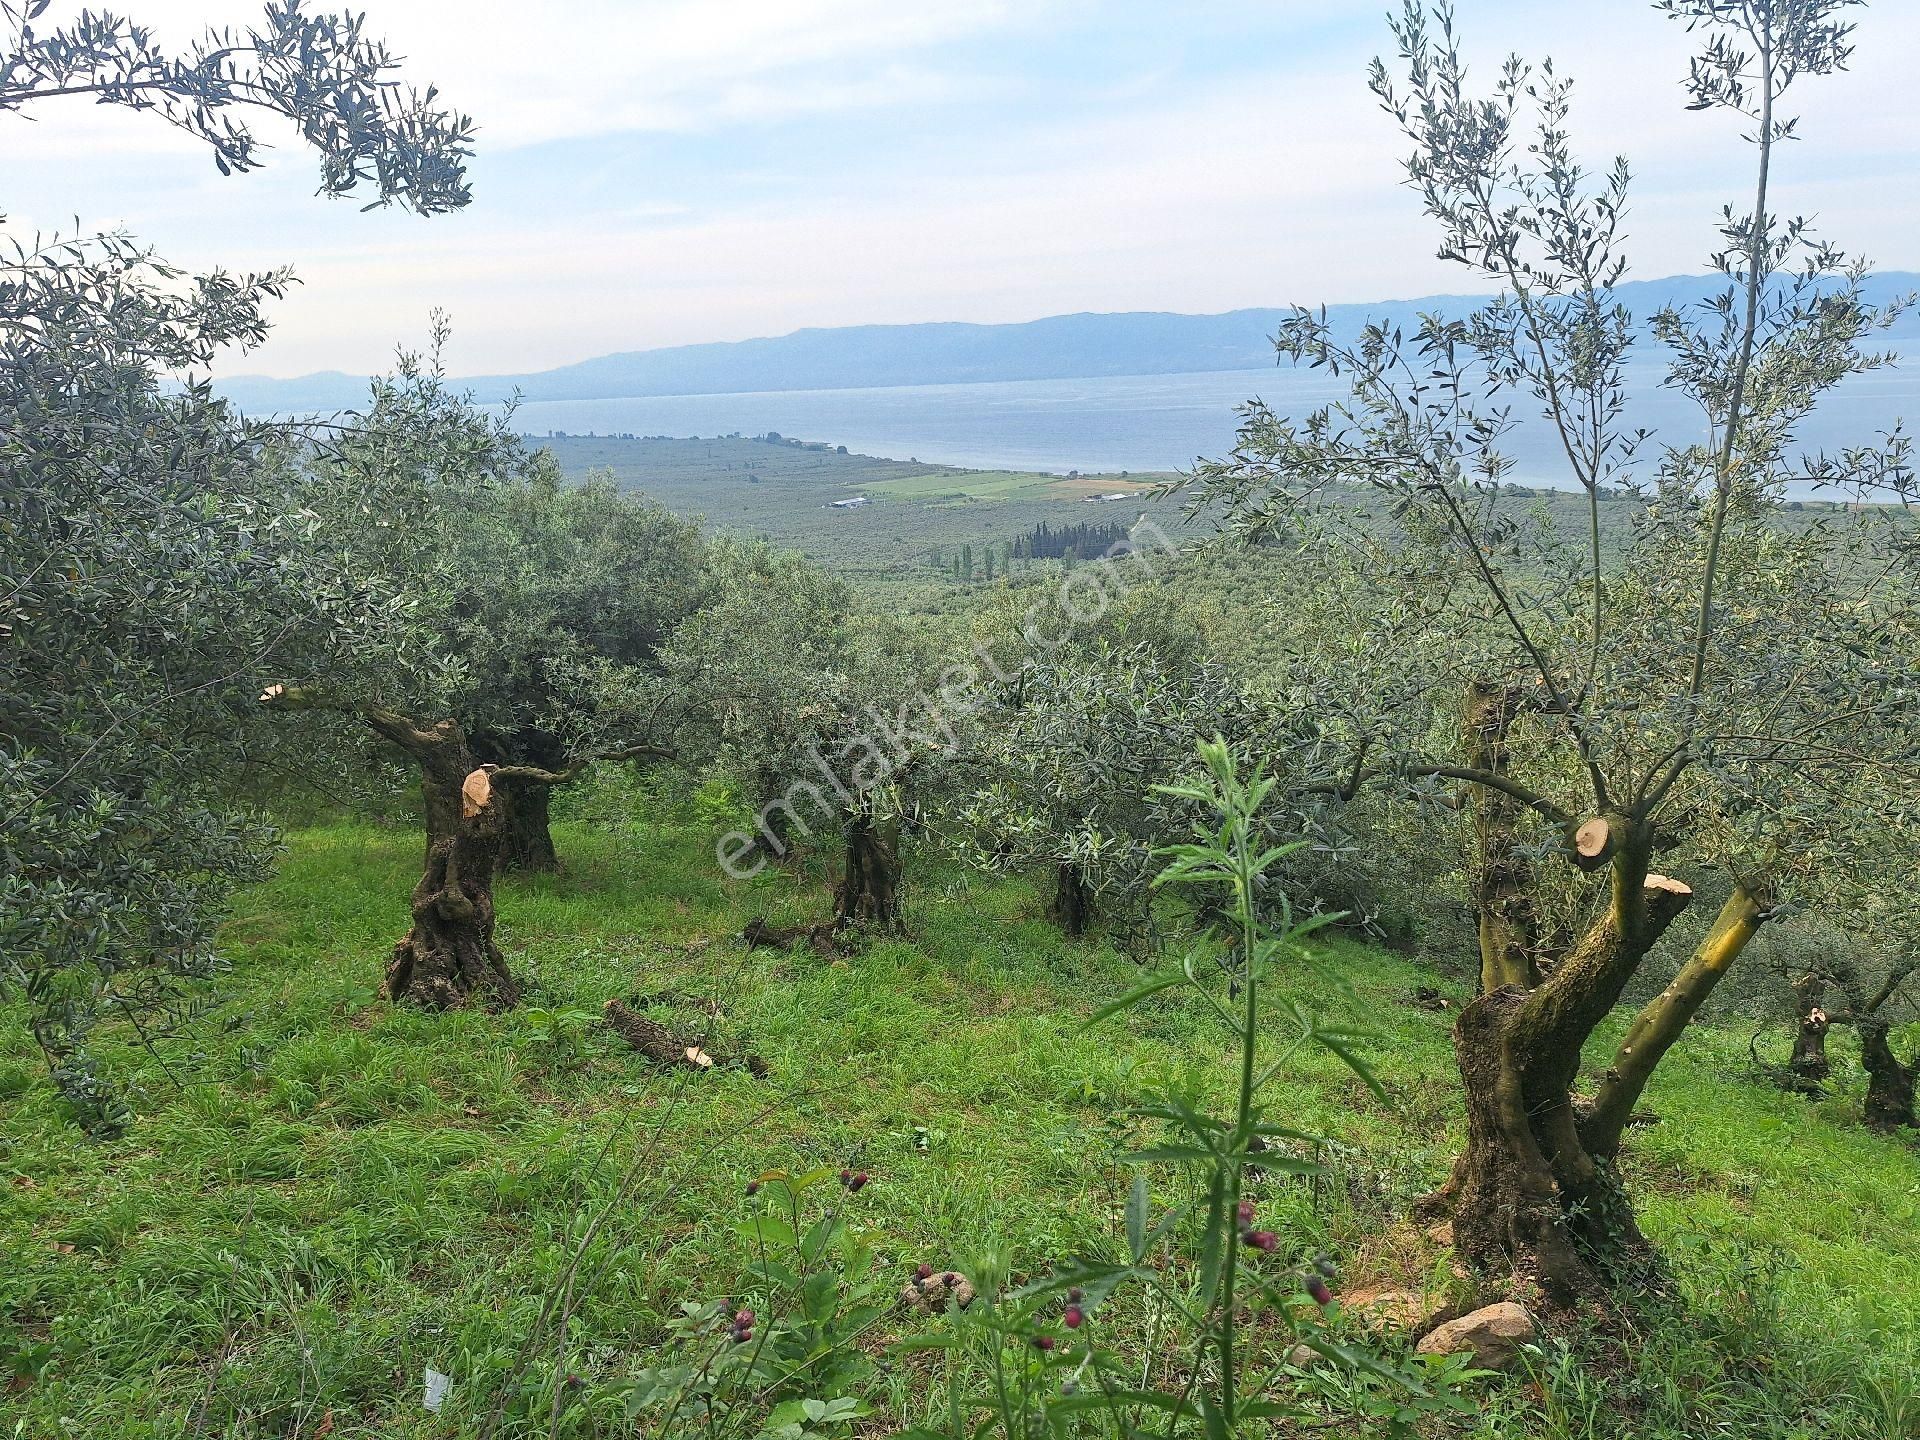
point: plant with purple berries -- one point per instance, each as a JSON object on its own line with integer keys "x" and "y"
{"x": 1048, "y": 1367}
{"x": 809, "y": 1294}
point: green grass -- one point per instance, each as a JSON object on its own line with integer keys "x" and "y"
{"x": 345, "y": 1193}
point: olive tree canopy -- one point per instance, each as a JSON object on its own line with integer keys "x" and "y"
{"x": 159, "y": 563}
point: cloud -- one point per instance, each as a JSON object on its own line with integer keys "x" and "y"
{"x": 668, "y": 172}
{"x": 565, "y": 69}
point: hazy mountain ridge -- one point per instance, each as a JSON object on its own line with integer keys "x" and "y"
{"x": 1058, "y": 347}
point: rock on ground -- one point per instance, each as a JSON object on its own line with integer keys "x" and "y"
{"x": 1494, "y": 1334}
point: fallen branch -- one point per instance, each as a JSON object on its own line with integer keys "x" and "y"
{"x": 663, "y": 1047}
{"x": 759, "y": 935}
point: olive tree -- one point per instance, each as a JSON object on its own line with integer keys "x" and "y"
{"x": 157, "y": 560}
{"x": 405, "y": 491}
{"x": 1685, "y": 677}
{"x": 825, "y": 714}
{"x": 571, "y": 593}
{"x": 534, "y": 599}
{"x": 156, "y": 564}
{"x": 1876, "y": 996}
{"x": 1069, "y": 761}
{"x": 1863, "y": 978}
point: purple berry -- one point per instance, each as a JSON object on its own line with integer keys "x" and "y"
{"x": 753, "y": 1187}
{"x": 1263, "y": 1240}
{"x": 744, "y": 1319}
{"x": 1317, "y": 1288}
{"x": 1043, "y": 1343}
{"x": 742, "y": 1335}
{"x": 846, "y": 1177}
{"x": 1245, "y": 1211}
{"x": 1073, "y": 1318}
{"x": 859, "y": 1182}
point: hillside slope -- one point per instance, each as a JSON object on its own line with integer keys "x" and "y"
{"x": 343, "y": 1194}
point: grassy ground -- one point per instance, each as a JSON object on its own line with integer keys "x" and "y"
{"x": 343, "y": 1194}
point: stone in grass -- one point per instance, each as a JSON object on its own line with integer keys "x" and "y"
{"x": 1495, "y": 1335}
{"x": 937, "y": 1292}
{"x": 1305, "y": 1357}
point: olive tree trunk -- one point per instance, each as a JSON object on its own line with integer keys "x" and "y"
{"x": 1808, "y": 1069}
{"x": 1535, "y": 1194}
{"x": 1072, "y": 905}
{"x": 526, "y": 842}
{"x": 448, "y": 957}
{"x": 869, "y": 889}
{"x": 1890, "y": 1084}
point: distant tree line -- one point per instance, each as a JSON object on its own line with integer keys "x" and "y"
{"x": 1047, "y": 542}
{"x": 1043, "y": 542}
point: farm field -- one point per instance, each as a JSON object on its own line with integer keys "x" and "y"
{"x": 782, "y": 491}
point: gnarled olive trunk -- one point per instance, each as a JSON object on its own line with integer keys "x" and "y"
{"x": 1525, "y": 1199}
{"x": 1535, "y": 1193}
{"x": 1890, "y": 1085}
{"x": 869, "y": 889}
{"x": 1072, "y": 905}
{"x": 526, "y": 841}
{"x": 1808, "y": 1068}
{"x": 449, "y": 957}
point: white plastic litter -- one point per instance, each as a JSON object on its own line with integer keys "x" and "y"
{"x": 437, "y": 1387}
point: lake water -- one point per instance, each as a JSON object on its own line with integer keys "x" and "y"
{"x": 1132, "y": 422}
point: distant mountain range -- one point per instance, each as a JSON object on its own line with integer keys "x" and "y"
{"x": 1060, "y": 347}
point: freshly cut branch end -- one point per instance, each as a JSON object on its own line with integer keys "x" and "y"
{"x": 1593, "y": 843}
{"x": 475, "y": 791}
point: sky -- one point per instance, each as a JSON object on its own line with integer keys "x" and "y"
{"x": 660, "y": 172}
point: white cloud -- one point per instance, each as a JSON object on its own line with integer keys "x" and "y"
{"x": 1281, "y": 183}
{"x": 556, "y": 69}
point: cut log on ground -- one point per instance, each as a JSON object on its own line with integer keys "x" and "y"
{"x": 663, "y": 1047}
